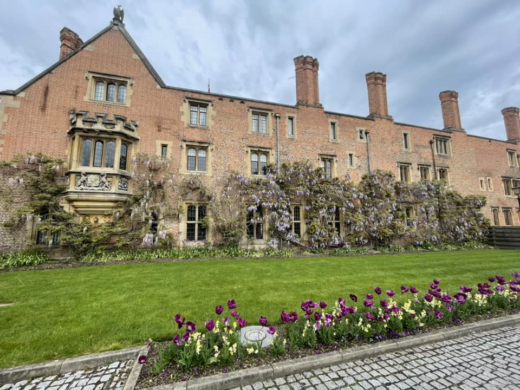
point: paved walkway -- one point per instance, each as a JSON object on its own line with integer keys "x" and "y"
{"x": 487, "y": 360}
{"x": 112, "y": 376}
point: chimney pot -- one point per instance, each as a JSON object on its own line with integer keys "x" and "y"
{"x": 450, "y": 110}
{"x": 70, "y": 41}
{"x": 512, "y": 123}
{"x": 377, "y": 99}
{"x": 307, "y": 82}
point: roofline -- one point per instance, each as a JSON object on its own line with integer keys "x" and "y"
{"x": 350, "y": 115}
{"x": 112, "y": 24}
{"x": 420, "y": 127}
{"x": 492, "y": 139}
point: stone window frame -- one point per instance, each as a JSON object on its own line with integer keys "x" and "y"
{"x": 334, "y": 124}
{"x": 512, "y": 158}
{"x": 507, "y": 185}
{"x": 410, "y": 215}
{"x": 183, "y": 231}
{"x": 93, "y": 78}
{"x": 288, "y": 117}
{"x": 407, "y": 140}
{"x": 186, "y": 145}
{"x": 260, "y": 150}
{"x": 159, "y": 144}
{"x": 77, "y": 144}
{"x": 426, "y": 167}
{"x": 301, "y": 221}
{"x": 361, "y": 131}
{"x": 495, "y": 216}
{"x": 185, "y": 110}
{"x": 482, "y": 184}
{"x": 336, "y": 221}
{"x": 261, "y": 112}
{"x": 333, "y": 159}
{"x": 439, "y": 169}
{"x": 407, "y": 168}
{"x": 489, "y": 183}
{"x": 258, "y": 219}
{"x": 508, "y": 216}
{"x": 447, "y": 145}
{"x": 351, "y": 157}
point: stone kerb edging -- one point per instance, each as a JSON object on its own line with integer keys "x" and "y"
{"x": 56, "y": 367}
{"x": 281, "y": 369}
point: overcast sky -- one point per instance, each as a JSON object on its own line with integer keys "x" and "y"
{"x": 247, "y": 48}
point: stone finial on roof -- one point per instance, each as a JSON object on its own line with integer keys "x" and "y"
{"x": 119, "y": 14}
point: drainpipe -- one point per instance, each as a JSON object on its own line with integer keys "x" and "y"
{"x": 367, "y": 134}
{"x": 277, "y": 143}
{"x": 433, "y": 159}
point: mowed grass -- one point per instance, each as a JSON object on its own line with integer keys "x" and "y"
{"x": 68, "y": 312}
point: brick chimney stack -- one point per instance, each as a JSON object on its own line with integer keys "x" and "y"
{"x": 512, "y": 122}
{"x": 70, "y": 41}
{"x": 450, "y": 110}
{"x": 377, "y": 100}
{"x": 307, "y": 88}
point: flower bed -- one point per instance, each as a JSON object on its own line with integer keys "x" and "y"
{"x": 321, "y": 327}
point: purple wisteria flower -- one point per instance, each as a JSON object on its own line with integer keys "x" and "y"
{"x": 231, "y": 304}
{"x": 263, "y": 321}
{"x": 180, "y": 322}
{"x": 353, "y": 297}
{"x": 191, "y": 327}
{"x": 404, "y": 289}
{"x": 413, "y": 290}
{"x": 210, "y": 325}
{"x": 271, "y": 330}
{"x": 390, "y": 293}
{"x": 219, "y": 309}
{"x": 142, "y": 359}
{"x": 377, "y": 290}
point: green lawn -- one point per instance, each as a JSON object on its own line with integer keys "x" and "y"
{"x": 68, "y": 312}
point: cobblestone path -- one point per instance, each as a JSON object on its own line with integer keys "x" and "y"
{"x": 112, "y": 376}
{"x": 487, "y": 360}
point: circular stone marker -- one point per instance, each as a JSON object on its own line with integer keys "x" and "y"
{"x": 254, "y": 335}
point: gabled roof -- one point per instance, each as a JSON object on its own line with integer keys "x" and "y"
{"x": 114, "y": 24}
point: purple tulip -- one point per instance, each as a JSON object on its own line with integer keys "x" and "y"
{"x": 235, "y": 315}
{"x": 210, "y": 325}
{"x": 328, "y": 320}
{"x": 501, "y": 280}
{"x": 271, "y": 330}
{"x": 433, "y": 286}
{"x": 368, "y": 303}
{"x": 465, "y": 289}
{"x": 323, "y": 305}
{"x": 185, "y": 337}
{"x": 317, "y": 316}
{"x": 318, "y": 325}
{"x": 226, "y": 321}
{"x": 413, "y": 290}
{"x": 500, "y": 288}
{"x": 293, "y": 316}
{"x": 383, "y": 303}
{"x": 446, "y": 298}
{"x": 390, "y": 293}
{"x": 436, "y": 281}
{"x": 428, "y": 298}
{"x": 285, "y": 317}
{"x": 142, "y": 359}
{"x": 377, "y": 290}
{"x": 177, "y": 340}
{"x": 341, "y": 301}
{"x": 219, "y": 309}
{"x": 404, "y": 289}
{"x": 231, "y": 304}
{"x": 178, "y": 320}
{"x": 491, "y": 279}
{"x": 242, "y": 322}
{"x": 263, "y": 321}
{"x": 438, "y": 314}
{"x": 370, "y": 296}
{"x": 370, "y": 316}
{"x": 353, "y": 297}
{"x": 515, "y": 275}
{"x": 190, "y": 327}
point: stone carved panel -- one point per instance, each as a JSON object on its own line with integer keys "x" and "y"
{"x": 92, "y": 182}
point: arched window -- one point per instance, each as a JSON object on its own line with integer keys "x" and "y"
{"x": 121, "y": 94}
{"x": 86, "y": 152}
{"x": 98, "y": 154}
{"x": 122, "y": 158}
{"x": 254, "y": 164}
{"x": 192, "y": 159}
{"x": 263, "y": 164}
{"x": 111, "y": 92}
{"x": 100, "y": 91}
{"x": 111, "y": 151}
{"x": 202, "y": 160}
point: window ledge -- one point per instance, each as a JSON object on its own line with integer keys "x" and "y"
{"x": 109, "y": 102}
{"x": 198, "y": 127}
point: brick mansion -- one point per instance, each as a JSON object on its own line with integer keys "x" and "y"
{"x": 103, "y": 102}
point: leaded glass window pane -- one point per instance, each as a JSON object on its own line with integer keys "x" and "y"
{"x": 123, "y": 157}
{"x": 86, "y": 152}
{"x": 111, "y": 151}
{"x": 254, "y": 164}
{"x": 192, "y": 157}
{"x": 255, "y": 123}
{"x": 202, "y": 160}
{"x": 291, "y": 127}
{"x": 263, "y": 124}
{"x": 100, "y": 91}
{"x": 111, "y": 92}
{"x": 98, "y": 153}
{"x": 121, "y": 94}
{"x": 193, "y": 115}
{"x": 202, "y": 118}
{"x": 263, "y": 164}
{"x": 192, "y": 215}
{"x": 333, "y": 131}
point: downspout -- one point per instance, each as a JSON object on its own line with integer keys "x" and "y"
{"x": 433, "y": 159}
{"x": 277, "y": 143}
{"x": 367, "y": 135}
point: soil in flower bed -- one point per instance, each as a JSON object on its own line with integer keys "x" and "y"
{"x": 173, "y": 373}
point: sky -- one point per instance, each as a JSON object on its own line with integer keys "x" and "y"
{"x": 247, "y": 48}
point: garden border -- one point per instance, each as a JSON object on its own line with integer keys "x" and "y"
{"x": 14, "y": 374}
{"x": 288, "y": 367}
